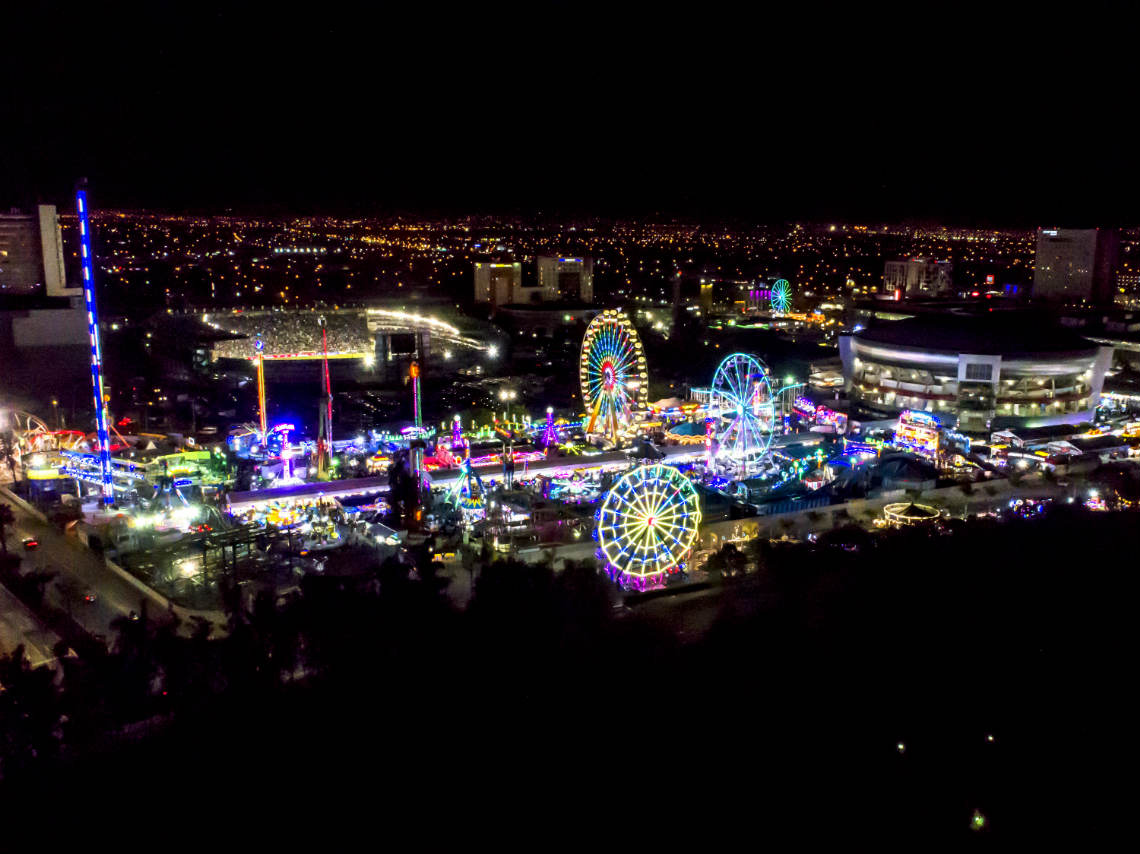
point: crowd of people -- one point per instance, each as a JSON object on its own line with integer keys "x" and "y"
{"x": 292, "y": 332}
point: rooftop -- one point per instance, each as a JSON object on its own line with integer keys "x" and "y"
{"x": 1005, "y": 332}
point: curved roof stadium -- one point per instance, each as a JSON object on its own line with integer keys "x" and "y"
{"x": 976, "y": 372}
{"x": 998, "y": 333}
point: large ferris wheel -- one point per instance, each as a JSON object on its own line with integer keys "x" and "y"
{"x": 615, "y": 384}
{"x": 647, "y": 523}
{"x": 742, "y": 395}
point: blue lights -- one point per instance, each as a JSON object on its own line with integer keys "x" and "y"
{"x": 101, "y": 419}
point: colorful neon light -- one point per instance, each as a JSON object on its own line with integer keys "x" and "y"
{"x": 457, "y": 443}
{"x": 259, "y": 347}
{"x": 101, "y": 415}
{"x": 838, "y": 420}
{"x": 647, "y": 523}
{"x": 918, "y": 431}
{"x": 416, "y": 452}
{"x": 804, "y": 407}
{"x": 780, "y": 297}
{"x": 612, "y": 372}
{"x": 742, "y": 395}
{"x": 549, "y": 435}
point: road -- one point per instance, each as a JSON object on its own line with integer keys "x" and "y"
{"x": 79, "y": 572}
{"x": 19, "y": 626}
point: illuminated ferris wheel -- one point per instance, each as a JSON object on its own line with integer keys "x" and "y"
{"x": 615, "y": 384}
{"x": 742, "y": 394}
{"x": 647, "y": 523}
{"x": 780, "y": 298}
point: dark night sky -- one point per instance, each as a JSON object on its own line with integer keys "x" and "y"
{"x": 571, "y": 107}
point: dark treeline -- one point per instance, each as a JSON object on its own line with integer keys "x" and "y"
{"x": 823, "y": 660}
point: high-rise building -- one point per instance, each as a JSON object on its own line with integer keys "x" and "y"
{"x": 918, "y": 278}
{"x": 31, "y": 254}
{"x": 43, "y": 322}
{"x": 566, "y": 279}
{"x": 1127, "y": 290}
{"x": 499, "y": 283}
{"x": 1076, "y": 264}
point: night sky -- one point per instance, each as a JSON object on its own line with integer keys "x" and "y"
{"x": 572, "y": 108}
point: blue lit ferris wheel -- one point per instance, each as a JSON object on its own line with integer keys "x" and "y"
{"x": 780, "y": 298}
{"x": 742, "y": 397}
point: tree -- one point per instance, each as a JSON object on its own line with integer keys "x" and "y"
{"x": 6, "y": 518}
{"x": 8, "y": 451}
{"x": 29, "y": 714}
{"x": 715, "y": 566}
{"x": 735, "y": 562}
{"x": 70, "y": 592}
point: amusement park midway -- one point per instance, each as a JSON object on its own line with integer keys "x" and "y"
{"x": 146, "y": 521}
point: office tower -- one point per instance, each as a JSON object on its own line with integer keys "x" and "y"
{"x": 498, "y": 283}
{"x": 31, "y": 254}
{"x": 917, "y": 278}
{"x": 1076, "y": 264}
{"x": 566, "y": 279}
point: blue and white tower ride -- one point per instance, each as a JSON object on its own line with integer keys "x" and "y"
{"x": 101, "y": 417}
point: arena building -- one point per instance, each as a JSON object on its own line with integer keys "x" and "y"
{"x": 982, "y": 372}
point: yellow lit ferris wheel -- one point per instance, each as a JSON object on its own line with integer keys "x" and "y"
{"x": 615, "y": 383}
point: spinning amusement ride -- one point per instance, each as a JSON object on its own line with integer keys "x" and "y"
{"x": 780, "y": 297}
{"x": 615, "y": 384}
{"x": 647, "y": 524}
{"x": 743, "y": 405}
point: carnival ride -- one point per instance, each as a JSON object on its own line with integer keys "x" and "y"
{"x": 615, "y": 383}
{"x": 324, "y": 415}
{"x": 468, "y": 493}
{"x": 31, "y": 435}
{"x": 780, "y": 297}
{"x": 549, "y": 436}
{"x": 102, "y": 416}
{"x": 742, "y": 401}
{"x": 919, "y": 432}
{"x": 647, "y": 523}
